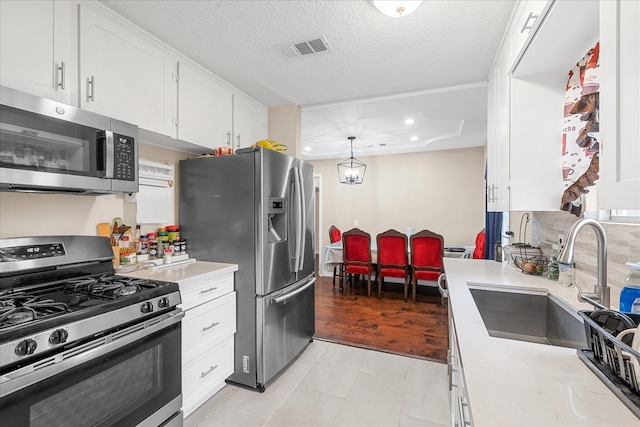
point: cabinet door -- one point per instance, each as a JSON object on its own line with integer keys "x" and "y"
{"x": 498, "y": 138}
{"x": 204, "y": 108}
{"x": 619, "y": 184}
{"x": 124, "y": 74}
{"x": 249, "y": 121}
{"x": 529, "y": 17}
{"x": 36, "y": 49}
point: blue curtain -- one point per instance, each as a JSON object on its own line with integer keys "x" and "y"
{"x": 493, "y": 230}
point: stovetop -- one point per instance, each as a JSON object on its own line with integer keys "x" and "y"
{"x": 26, "y": 310}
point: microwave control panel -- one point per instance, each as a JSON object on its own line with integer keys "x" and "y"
{"x": 124, "y": 163}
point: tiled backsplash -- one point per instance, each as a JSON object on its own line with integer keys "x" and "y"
{"x": 623, "y": 245}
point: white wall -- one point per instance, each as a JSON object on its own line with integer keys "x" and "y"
{"x": 442, "y": 191}
{"x": 24, "y": 214}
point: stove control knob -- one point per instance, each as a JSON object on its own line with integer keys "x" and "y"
{"x": 58, "y": 336}
{"x": 26, "y": 347}
{"x": 163, "y": 302}
{"x": 147, "y": 307}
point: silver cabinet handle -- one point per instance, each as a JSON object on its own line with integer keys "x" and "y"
{"x": 229, "y": 139}
{"x": 529, "y": 18}
{"x": 91, "y": 88}
{"x": 209, "y": 290}
{"x": 238, "y": 138}
{"x": 61, "y": 75}
{"x": 211, "y": 369}
{"x": 213, "y": 325}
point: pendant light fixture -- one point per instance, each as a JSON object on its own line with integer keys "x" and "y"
{"x": 351, "y": 170}
{"x": 396, "y": 8}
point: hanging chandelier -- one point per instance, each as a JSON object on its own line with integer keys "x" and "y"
{"x": 351, "y": 170}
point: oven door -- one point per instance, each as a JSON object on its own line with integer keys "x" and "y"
{"x": 128, "y": 378}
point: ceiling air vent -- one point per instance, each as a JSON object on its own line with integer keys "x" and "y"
{"x": 306, "y": 47}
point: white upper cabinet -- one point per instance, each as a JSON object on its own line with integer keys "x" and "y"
{"x": 250, "y": 121}
{"x": 37, "y": 48}
{"x": 498, "y": 137}
{"x": 537, "y": 95}
{"x": 528, "y": 16}
{"x": 125, "y": 74}
{"x": 204, "y": 108}
{"x": 619, "y": 184}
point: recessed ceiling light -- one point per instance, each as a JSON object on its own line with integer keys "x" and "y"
{"x": 408, "y": 122}
{"x": 307, "y": 148}
{"x": 414, "y": 138}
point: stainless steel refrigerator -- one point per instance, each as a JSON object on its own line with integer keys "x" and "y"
{"x": 256, "y": 209}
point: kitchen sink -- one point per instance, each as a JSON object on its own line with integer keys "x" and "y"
{"x": 527, "y": 315}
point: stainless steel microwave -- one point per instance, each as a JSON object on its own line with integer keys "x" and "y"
{"x": 46, "y": 146}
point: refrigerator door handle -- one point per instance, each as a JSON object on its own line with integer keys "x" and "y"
{"x": 303, "y": 223}
{"x": 297, "y": 266}
{"x": 285, "y": 297}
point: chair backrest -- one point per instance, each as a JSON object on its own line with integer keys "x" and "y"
{"x": 478, "y": 251}
{"x": 334, "y": 234}
{"x": 392, "y": 249}
{"x": 427, "y": 250}
{"x": 356, "y": 246}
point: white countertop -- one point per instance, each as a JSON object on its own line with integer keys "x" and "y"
{"x": 185, "y": 274}
{"x": 514, "y": 383}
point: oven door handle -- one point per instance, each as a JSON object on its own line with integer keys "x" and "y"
{"x": 60, "y": 362}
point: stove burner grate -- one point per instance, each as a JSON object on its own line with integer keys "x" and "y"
{"x": 108, "y": 286}
{"x": 20, "y": 307}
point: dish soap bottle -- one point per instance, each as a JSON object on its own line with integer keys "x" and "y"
{"x": 631, "y": 290}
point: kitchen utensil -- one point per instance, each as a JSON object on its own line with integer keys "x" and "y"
{"x": 104, "y": 229}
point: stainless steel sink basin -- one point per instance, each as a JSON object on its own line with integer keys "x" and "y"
{"x": 532, "y": 316}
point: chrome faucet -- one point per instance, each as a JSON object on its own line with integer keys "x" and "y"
{"x": 601, "y": 297}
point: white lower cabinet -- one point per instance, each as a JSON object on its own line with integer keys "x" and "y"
{"x": 460, "y": 411}
{"x": 208, "y": 330}
{"x": 204, "y": 371}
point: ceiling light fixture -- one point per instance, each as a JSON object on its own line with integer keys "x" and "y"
{"x": 351, "y": 170}
{"x": 396, "y": 8}
{"x": 408, "y": 122}
{"x": 414, "y": 138}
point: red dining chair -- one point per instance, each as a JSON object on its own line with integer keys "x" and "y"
{"x": 478, "y": 251}
{"x": 427, "y": 251}
{"x": 336, "y": 236}
{"x": 392, "y": 258}
{"x": 356, "y": 256}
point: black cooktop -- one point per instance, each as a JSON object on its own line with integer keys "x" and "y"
{"x": 24, "y": 311}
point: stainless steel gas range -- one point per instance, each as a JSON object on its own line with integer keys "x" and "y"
{"x": 80, "y": 346}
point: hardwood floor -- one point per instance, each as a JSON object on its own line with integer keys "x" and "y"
{"x": 388, "y": 324}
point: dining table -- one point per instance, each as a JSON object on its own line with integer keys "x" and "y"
{"x": 332, "y": 256}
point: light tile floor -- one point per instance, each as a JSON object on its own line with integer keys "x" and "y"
{"x": 337, "y": 385}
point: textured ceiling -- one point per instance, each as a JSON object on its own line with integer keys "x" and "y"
{"x": 444, "y": 43}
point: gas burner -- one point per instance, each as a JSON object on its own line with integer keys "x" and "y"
{"x": 108, "y": 286}
{"x": 21, "y": 307}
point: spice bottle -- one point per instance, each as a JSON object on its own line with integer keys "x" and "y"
{"x": 136, "y": 239}
{"x": 153, "y": 249}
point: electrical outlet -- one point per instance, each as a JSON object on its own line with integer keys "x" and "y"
{"x": 561, "y": 241}
{"x": 355, "y": 222}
